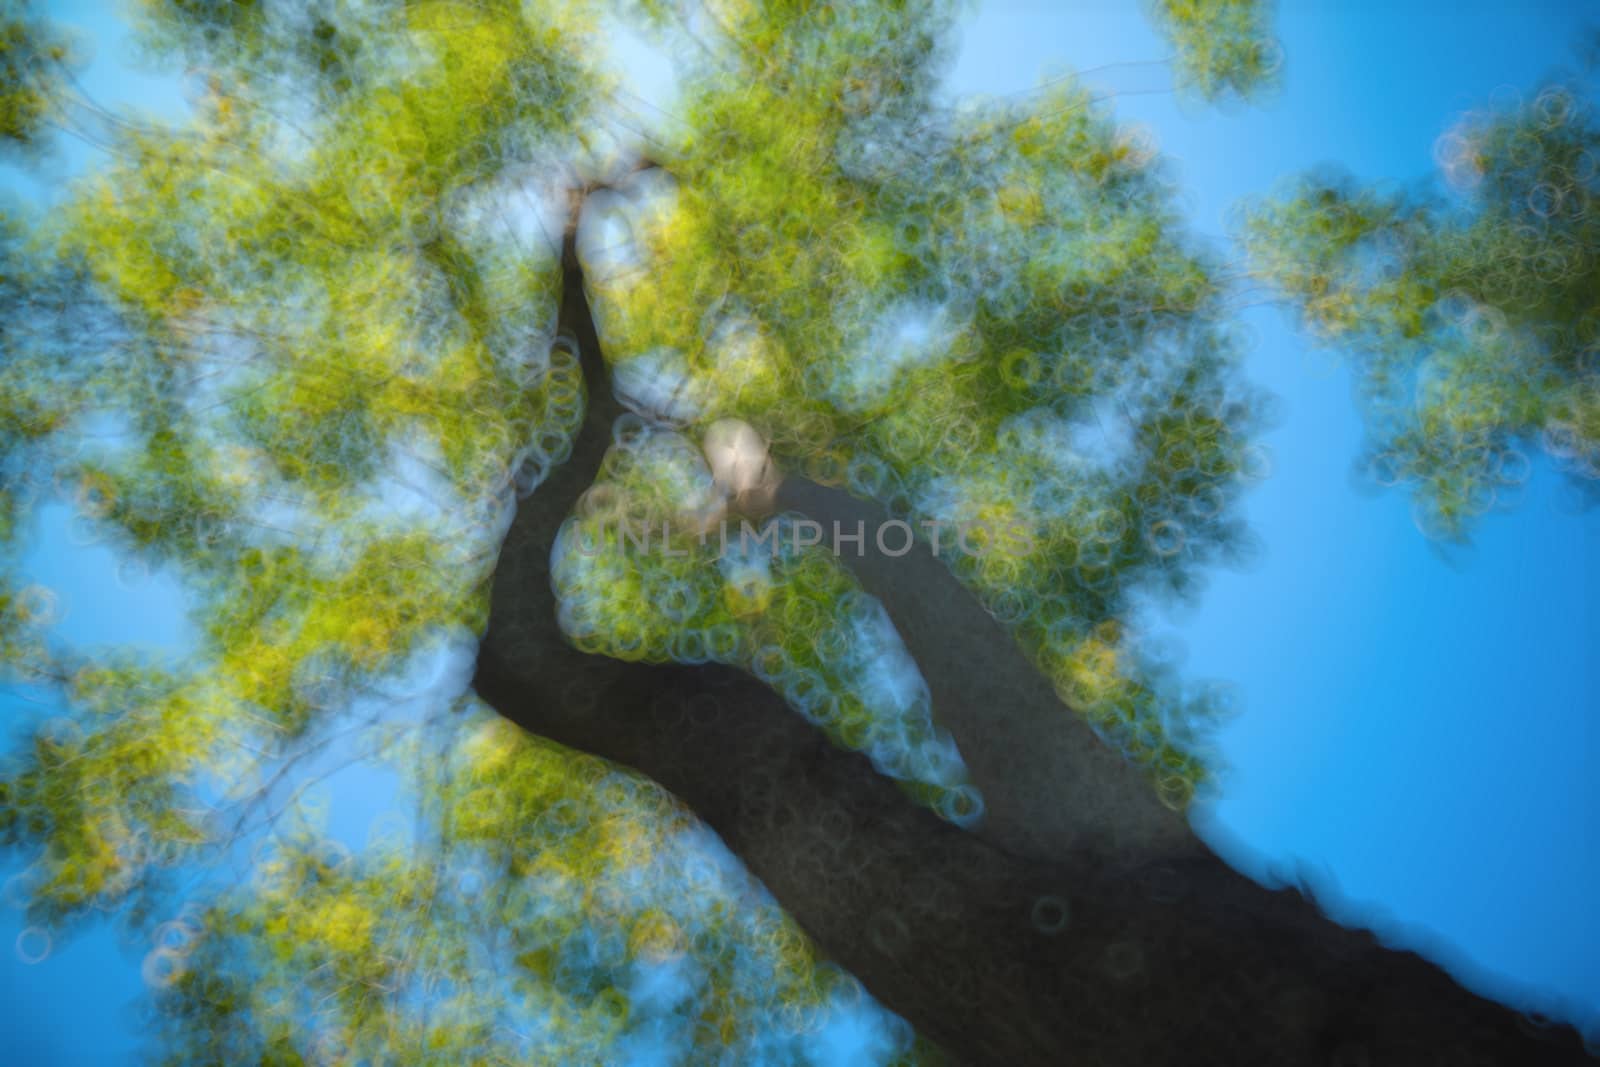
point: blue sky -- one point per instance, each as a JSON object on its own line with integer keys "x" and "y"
{"x": 1416, "y": 729}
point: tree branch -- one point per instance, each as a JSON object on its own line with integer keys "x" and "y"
{"x": 1120, "y": 951}
{"x": 1049, "y": 785}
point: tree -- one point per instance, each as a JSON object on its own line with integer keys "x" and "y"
{"x": 399, "y": 291}
{"x": 1475, "y": 316}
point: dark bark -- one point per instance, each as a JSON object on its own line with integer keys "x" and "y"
{"x": 1106, "y": 933}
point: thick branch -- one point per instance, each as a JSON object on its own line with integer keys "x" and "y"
{"x": 1094, "y": 958}
{"x": 1050, "y": 786}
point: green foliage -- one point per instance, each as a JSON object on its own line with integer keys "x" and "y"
{"x": 105, "y": 789}
{"x": 268, "y": 326}
{"x": 566, "y": 913}
{"x": 33, "y": 58}
{"x": 301, "y": 349}
{"x": 1474, "y": 319}
{"x": 943, "y": 313}
{"x": 1224, "y": 46}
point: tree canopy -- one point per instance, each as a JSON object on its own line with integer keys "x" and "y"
{"x": 307, "y": 348}
{"x": 1472, "y": 311}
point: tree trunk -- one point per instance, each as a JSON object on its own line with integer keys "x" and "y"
{"x": 1084, "y": 924}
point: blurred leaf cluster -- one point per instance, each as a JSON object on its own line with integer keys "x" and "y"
{"x": 1472, "y": 314}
